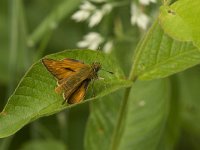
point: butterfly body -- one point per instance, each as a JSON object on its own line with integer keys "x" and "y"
{"x": 73, "y": 77}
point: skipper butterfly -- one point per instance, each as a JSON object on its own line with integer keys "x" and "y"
{"x": 73, "y": 77}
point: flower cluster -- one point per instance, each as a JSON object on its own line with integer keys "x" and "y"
{"x": 138, "y": 17}
{"x": 90, "y": 12}
{"x": 146, "y": 2}
{"x": 92, "y": 41}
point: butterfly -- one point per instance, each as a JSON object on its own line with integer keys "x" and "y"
{"x": 73, "y": 77}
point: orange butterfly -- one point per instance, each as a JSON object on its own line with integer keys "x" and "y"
{"x": 73, "y": 77}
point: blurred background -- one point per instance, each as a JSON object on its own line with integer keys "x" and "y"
{"x": 31, "y": 29}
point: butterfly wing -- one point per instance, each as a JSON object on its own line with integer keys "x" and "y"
{"x": 62, "y": 69}
{"x": 79, "y": 94}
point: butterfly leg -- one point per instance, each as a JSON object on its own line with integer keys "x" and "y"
{"x": 93, "y": 93}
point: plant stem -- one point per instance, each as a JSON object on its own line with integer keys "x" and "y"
{"x": 119, "y": 128}
{"x": 122, "y": 115}
{"x": 13, "y": 44}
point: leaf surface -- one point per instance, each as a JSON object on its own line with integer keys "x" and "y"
{"x": 181, "y": 20}
{"x": 145, "y": 118}
{"x": 158, "y": 55}
{"x": 35, "y": 95}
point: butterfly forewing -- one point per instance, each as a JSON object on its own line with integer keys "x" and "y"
{"x": 62, "y": 69}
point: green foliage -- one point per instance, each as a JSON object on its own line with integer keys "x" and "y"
{"x": 51, "y": 21}
{"x": 184, "y": 15}
{"x": 29, "y": 103}
{"x": 44, "y": 144}
{"x": 156, "y": 107}
{"x": 146, "y": 106}
{"x": 159, "y": 56}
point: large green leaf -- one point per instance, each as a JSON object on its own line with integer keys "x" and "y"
{"x": 102, "y": 120}
{"x": 144, "y": 118}
{"x": 181, "y": 20}
{"x": 183, "y": 125}
{"x": 189, "y": 97}
{"x": 158, "y": 55}
{"x": 50, "y": 144}
{"x": 35, "y": 96}
{"x": 172, "y": 131}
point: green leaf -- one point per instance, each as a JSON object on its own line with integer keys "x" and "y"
{"x": 183, "y": 129}
{"x": 102, "y": 120}
{"x": 144, "y": 118}
{"x": 159, "y": 56}
{"x": 35, "y": 96}
{"x": 172, "y": 131}
{"x": 183, "y": 122}
{"x": 181, "y": 20}
{"x": 50, "y": 144}
{"x": 189, "y": 100}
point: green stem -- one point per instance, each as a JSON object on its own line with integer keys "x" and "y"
{"x": 13, "y": 44}
{"x": 118, "y": 131}
{"x": 27, "y": 61}
{"x": 122, "y": 114}
{"x": 120, "y": 4}
{"x": 119, "y": 128}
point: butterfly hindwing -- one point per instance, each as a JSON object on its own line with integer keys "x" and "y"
{"x": 80, "y": 92}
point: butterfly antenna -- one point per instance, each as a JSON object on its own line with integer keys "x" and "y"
{"x": 107, "y": 71}
{"x": 98, "y": 52}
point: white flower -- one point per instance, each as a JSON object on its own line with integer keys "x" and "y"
{"x": 146, "y": 2}
{"x": 89, "y": 12}
{"x": 98, "y": 1}
{"x": 81, "y": 15}
{"x": 92, "y": 40}
{"x": 108, "y": 47}
{"x": 95, "y": 18}
{"x": 98, "y": 15}
{"x": 87, "y": 6}
{"x": 138, "y": 17}
{"x": 143, "y": 21}
{"x": 85, "y": 11}
{"x": 106, "y": 8}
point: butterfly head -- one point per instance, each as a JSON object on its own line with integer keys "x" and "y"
{"x": 96, "y": 66}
